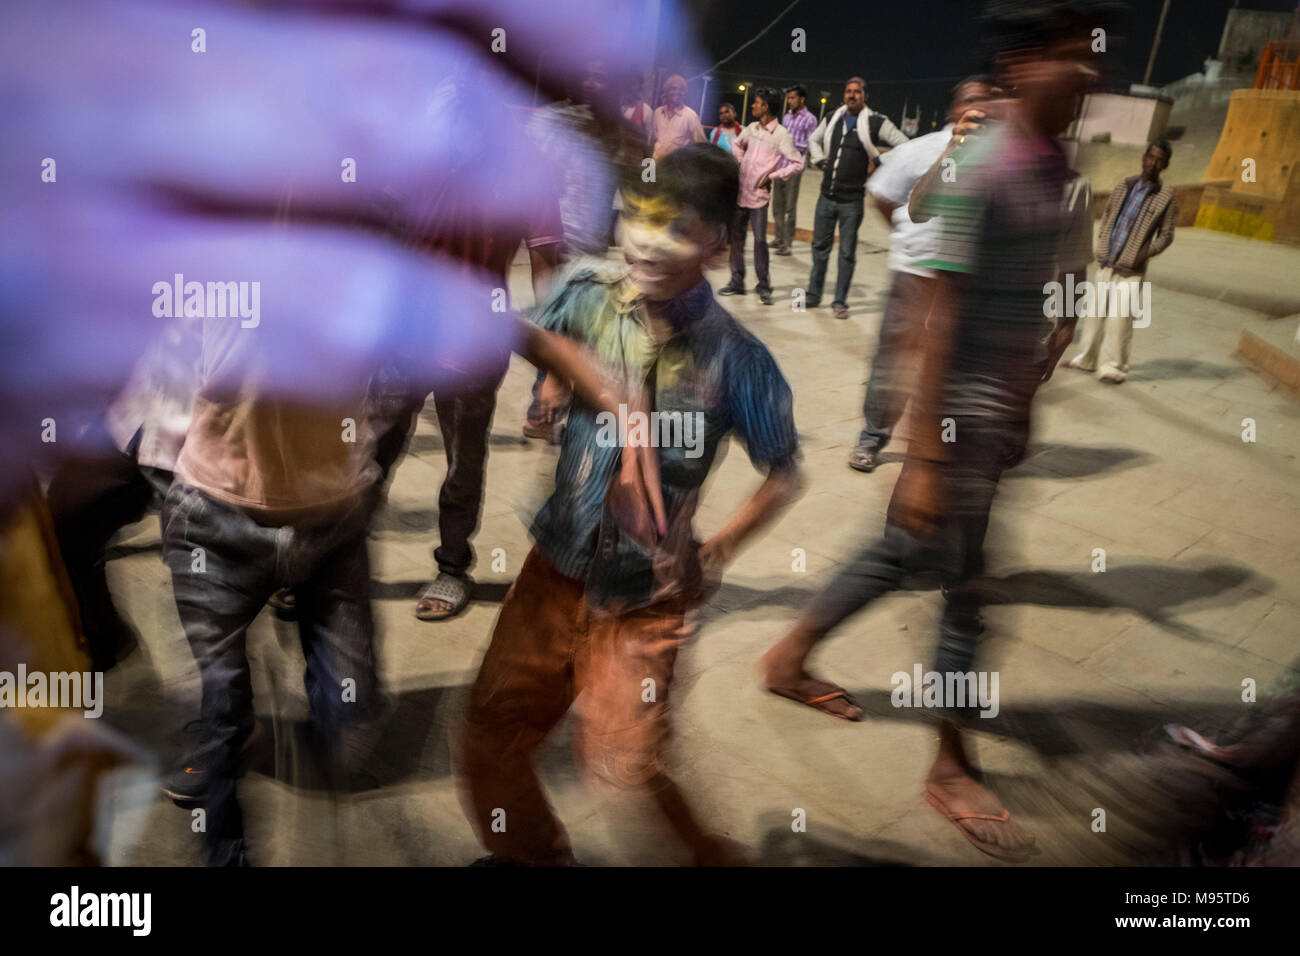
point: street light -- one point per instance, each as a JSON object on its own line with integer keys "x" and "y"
{"x": 744, "y": 109}
{"x": 707, "y": 78}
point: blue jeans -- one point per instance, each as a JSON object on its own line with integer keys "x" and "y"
{"x": 905, "y": 311}
{"x": 221, "y": 588}
{"x": 849, "y": 217}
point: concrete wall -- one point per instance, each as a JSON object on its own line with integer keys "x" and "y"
{"x": 1128, "y": 119}
{"x": 1263, "y": 127}
{"x": 1201, "y": 103}
{"x": 1244, "y": 36}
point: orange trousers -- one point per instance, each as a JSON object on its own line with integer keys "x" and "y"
{"x": 549, "y": 649}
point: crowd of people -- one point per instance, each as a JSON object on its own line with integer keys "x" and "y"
{"x": 263, "y": 503}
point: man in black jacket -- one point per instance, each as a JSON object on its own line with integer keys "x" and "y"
{"x": 847, "y": 157}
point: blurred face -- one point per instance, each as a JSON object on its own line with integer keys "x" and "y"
{"x": 969, "y": 96}
{"x": 855, "y": 97}
{"x": 759, "y": 108}
{"x": 1154, "y": 160}
{"x": 1050, "y": 81}
{"x": 727, "y": 114}
{"x": 593, "y": 82}
{"x": 674, "y": 93}
{"x": 666, "y": 247}
{"x": 793, "y": 102}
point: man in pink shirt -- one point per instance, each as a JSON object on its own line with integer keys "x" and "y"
{"x": 760, "y": 147}
{"x": 674, "y": 124}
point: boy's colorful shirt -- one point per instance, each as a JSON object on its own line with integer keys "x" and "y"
{"x": 709, "y": 378}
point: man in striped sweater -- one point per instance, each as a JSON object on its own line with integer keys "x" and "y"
{"x": 1138, "y": 224}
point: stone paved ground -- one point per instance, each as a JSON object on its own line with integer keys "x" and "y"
{"x": 1201, "y": 590}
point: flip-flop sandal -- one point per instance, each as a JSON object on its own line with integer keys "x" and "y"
{"x": 449, "y": 590}
{"x": 816, "y": 703}
{"x": 1186, "y": 737}
{"x": 993, "y": 850}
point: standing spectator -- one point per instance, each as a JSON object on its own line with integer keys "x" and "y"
{"x": 785, "y": 192}
{"x": 573, "y": 135}
{"x": 728, "y": 127}
{"x": 911, "y": 284}
{"x": 465, "y": 408}
{"x": 761, "y": 148}
{"x": 636, "y": 110}
{"x": 838, "y": 148}
{"x": 1138, "y": 224}
{"x": 674, "y": 124}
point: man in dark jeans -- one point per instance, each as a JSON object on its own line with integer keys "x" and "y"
{"x": 225, "y": 566}
{"x": 846, "y": 146}
{"x": 270, "y": 494}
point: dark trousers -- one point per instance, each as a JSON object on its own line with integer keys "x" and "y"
{"x": 90, "y": 500}
{"x": 224, "y": 567}
{"x": 955, "y": 555}
{"x": 905, "y": 312}
{"x": 785, "y": 204}
{"x": 465, "y": 419}
{"x": 848, "y": 216}
{"x": 743, "y": 220}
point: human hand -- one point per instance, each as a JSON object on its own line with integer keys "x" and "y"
{"x": 167, "y": 156}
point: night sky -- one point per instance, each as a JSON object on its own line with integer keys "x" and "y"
{"x": 916, "y": 49}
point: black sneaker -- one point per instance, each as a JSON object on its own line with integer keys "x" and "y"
{"x": 765, "y": 298}
{"x": 731, "y": 289}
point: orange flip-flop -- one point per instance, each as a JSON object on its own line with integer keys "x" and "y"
{"x": 992, "y": 849}
{"x": 816, "y": 702}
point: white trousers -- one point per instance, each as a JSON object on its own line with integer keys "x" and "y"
{"x": 1108, "y": 331}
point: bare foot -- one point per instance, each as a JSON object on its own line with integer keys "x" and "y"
{"x": 957, "y": 795}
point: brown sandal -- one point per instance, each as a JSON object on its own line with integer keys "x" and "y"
{"x": 993, "y": 850}
{"x": 839, "y": 693}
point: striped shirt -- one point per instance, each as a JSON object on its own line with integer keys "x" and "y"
{"x": 1001, "y": 222}
{"x": 711, "y": 370}
{"x": 801, "y": 126}
{"x": 1128, "y": 215}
